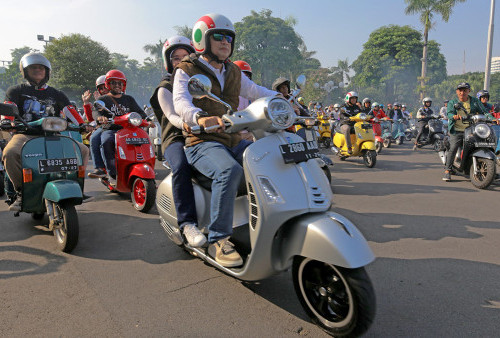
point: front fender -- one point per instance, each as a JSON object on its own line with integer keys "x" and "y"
{"x": 484, "y": 154}
{"x": 439, "y": 136}
{"x": 142, "y": 170}
{"x": 327, "y": 237}
{"x": 59, "y": 190}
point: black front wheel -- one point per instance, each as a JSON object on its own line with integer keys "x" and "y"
{"x": 378, "y": 147}
{"x": 66, "y": 231}
{"x": 408, "y": 135}
{"x": 370, "y": 158}
{"x": 339, "y": 300}
{"x": 485, "y": 173}
{"x": 387, "y": 143}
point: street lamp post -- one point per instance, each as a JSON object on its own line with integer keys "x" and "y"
{"x": 41, "y": 38}
{"x": 487, "y": 69}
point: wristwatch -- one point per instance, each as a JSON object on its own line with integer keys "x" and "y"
{"x": 200, "y": 114}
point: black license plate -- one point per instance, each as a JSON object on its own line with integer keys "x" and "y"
{"x": 299, "y": 152}
{"x": 57, "y": 165}
{"x": 137, "y": 140}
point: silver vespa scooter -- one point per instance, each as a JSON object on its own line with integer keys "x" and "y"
{"x": 282, "y": 219}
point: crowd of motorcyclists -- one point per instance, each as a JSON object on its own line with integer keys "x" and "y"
{"x": 215, "y": 154}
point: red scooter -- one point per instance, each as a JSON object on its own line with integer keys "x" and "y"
{"x": 377, "y": 131}
{"x": 135, "y": 160}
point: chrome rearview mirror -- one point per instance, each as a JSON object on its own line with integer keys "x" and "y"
{"x": 100, "y": 105}
{"x": 200, "y": 86}
{"x": 301, "y": 81}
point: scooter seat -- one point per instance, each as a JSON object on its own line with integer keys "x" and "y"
{"x": 206, "y": 183}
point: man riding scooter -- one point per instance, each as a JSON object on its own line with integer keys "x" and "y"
{"x": 36, "y": 69}
{"x": 216, "y": 155}
{"x": 350, "y": 109}
{"x": 423, "y": 116}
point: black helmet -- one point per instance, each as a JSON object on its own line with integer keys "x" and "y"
{"x": 279, "y": 81}
{"x": 482, "y": 93}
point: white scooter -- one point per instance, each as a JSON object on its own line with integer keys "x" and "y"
{"x": 154, "y": 132}
{"x": 283, "y": 219}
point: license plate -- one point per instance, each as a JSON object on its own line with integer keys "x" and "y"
{"x": 137, "y": 140}
{"x": 57, "y": 165}
{"x": 484, "y": 144}
{"x": 299, "y": 152}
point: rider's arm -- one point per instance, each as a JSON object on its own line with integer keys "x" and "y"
{"x": 165, "y": 98}
{"x": 134, "y": 107}
{"x": 253, "y": 91}
{"x": 183, "y": 101}
{"x": 87, "y": 108}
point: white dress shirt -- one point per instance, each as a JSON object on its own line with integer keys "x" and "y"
{"x": 183, "y": 101}
{"x": 167, "y": 106}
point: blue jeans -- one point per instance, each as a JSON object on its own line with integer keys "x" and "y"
{"x": 108, "y": 151}
{"x": 223, "y": 166}
{"x": 95, "y": 148}
{"x": 182, "y": 188}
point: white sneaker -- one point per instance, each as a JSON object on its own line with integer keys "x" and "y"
{"x": 16, "y": 206}
{"x": 193, "y": 235}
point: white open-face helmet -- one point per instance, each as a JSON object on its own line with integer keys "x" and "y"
{"x": 172, "y": 44}
{"x": 208, "y": 25}
{"x": 35, "y": 59}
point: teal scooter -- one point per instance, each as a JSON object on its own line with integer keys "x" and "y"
{"x": 398, "y": 131}
{"x": 53, "y": 175}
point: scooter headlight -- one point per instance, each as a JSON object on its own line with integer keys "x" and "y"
{"x": 309, "y": 122}
{"x": 363, "y": 116}
{"x": 281, "y": 113}
{"x": 135, "y": 119}
{"x": 482, "y": 130}
{"x": 54, "y": 124}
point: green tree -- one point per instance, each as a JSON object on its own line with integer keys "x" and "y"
{"x": 12, "y": 74}
{"x": 184, "y": 31}
{"x": 270, "y": 45}
{"x": 427, "y": 9}
{"x": 390, "y": 60}
{"x": 76, "y": 62}
{"x": 155, "y": 50}
{"x": 445, "y": 89}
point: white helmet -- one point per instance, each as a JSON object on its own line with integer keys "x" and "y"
{"x": 426, "y": 99}
{"x": 101, "y": 80}
{"x": 172, "y": 44}
{"x": 35, "y": 59}
{"x": 208, "y": 25}
{"x": 336, "y": 105}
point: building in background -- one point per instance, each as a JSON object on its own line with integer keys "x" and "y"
{"x": 495, "y": 64}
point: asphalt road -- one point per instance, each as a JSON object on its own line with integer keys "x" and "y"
{"x": 437, "y": 271}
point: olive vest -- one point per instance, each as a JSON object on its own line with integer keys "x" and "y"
{"x": 232, "y": 85}
{"x": 169, "y": 133}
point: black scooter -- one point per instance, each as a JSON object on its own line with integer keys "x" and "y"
{"x": 476, "y": 156}
{"x": 433, "y": 134}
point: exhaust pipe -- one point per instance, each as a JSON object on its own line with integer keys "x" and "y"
{"x": 442, "y": 156}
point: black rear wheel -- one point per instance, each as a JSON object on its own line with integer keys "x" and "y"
{"x": 370, "y": 158}
{"x": 387, "y": 143}
{"x": 341, "y": 301}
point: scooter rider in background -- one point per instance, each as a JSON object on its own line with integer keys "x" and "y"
{"x": 174, "y": 50}
{"x": 484, "y": 97}
{"x": 119, "y": 104}
{"x": 406, "y": 113}
{"x": 366, "y": 105}
{"x": 95, "y": 138}
{"x": 216, "y": 155}
{"x": 247, "y": 71}
{"x": 376, "y": 112}
{"x": 397, "y": 113}
{"x": 423, "y": 116}
{"x": 35, "y": 68}
{"x": 443, "y": 112}
{"x": 349, "y": 109}
{"x": 389, "y": 109}
{"x": 100, "y": 90}
{"x": 456, "y": 127}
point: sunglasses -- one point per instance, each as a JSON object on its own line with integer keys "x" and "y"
{"x": 115, "y": 83}
{"x": 220, "y": 37}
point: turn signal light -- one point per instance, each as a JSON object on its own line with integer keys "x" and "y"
{"x": 81, "y": 171}
{"x": 27, "y": 175}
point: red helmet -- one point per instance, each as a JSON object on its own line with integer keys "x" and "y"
{"x": 115, "y": 74}
{"x": 244, "y": 66}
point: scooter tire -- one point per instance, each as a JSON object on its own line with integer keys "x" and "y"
{"x": 67, "y": 233}
{"x": 370, "y": 158}
{"x": 143, "y": 194}
{"x": 2, "y": 184}
{"x": 387, "y": 143}
{"x": 327, "y": 172}
{"x": 159, "y": 155}
{"x": 408, "y": 136}
{"x": 378, "y": 147}
{"x": 347, "y": 293}
{"x": 485, "y": 175}
{"x": 326, "y": 142}
{"x": 37, "y": 215}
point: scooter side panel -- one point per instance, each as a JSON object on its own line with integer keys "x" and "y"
{"x": 53, "y": 147}
{"x": 60, "y": 190}
{"x": 328, "y": 237}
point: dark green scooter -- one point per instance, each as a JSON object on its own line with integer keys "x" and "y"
{"x": 53, "y": 175}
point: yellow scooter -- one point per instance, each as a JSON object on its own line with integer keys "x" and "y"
{"x": 362, "y": 140}
{"x": 325, "y": 135}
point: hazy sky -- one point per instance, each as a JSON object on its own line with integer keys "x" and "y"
{"x": 336, "y": 29}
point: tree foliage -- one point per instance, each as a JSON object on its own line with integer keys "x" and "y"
{"x": 390, "y": 61}
{"x": 12, "y": 75}
{"x": 271, "y": 46}
{"x": 76, "y": 62}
